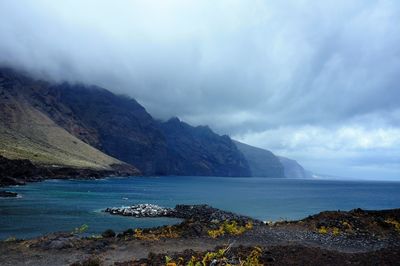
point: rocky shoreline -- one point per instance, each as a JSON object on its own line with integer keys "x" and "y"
{"x": 20, "y": 172}
{"x": 8, "y": 194}
{"x": 218, "y": 237}
{"x": 201, "y": 213}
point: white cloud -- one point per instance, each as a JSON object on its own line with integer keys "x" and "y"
{"x": 350, "y": 137}
{"x": 351, "y": 150}
{"x": 302, "y": 76}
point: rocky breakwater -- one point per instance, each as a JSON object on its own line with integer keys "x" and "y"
{"x": 198, "y": 221}
{"x": 200, "y": 213}
{"x": 142, "y": 210}
{"x": 207, "y": 214}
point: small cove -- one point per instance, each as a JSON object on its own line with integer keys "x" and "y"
{"x": 62, "y": 205}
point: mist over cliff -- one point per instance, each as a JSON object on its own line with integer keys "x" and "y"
{"x": 315, "y": 81}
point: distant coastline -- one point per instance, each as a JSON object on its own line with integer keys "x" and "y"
{"x": 19, "y": 172}
{"x": 86, "y": 130}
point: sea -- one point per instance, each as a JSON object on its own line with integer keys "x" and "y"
{"x": 62, "y": 205}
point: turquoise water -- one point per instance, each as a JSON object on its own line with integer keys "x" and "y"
{"x": 61, "y": 205}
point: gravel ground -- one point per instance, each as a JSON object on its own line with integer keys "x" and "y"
{"x": 283, "y": 243}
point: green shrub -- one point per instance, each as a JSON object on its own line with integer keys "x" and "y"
{"x": 335, "y": 231}
{"x": 10, "y": 239}
{"x": 395, "y": 223}
{"x": 323, "y": 230}
{"x": 254, "y": 258}
{"x": 81, "y": 229}
{"x": 230, "y": 228}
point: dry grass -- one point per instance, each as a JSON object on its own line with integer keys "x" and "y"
{"x": 27, "y": 133}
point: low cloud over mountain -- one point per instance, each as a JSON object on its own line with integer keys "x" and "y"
{"x": 313, "y": 80}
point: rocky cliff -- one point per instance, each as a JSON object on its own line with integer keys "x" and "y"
{"x": 116, "y": 125}
{"x": 29, "y": 133}
{"x": 20, "y": 171}
{"x": 112, "y": 126}
{"x": 262, "y": 163}
{"x": 87, "y": 127}
{"x": 293, "y": 169}
{"x": 199, "y": 151}
{"x": 119, "y": 126}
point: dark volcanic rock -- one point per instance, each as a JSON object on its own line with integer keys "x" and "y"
{"x": 55, "y": 241}
{"x": 200, "y": 213}
{"x": 108, "y": 233}
{"x": 275, "y": 255}
{"x": 356, "y": 223}
{"x": 8, "y": 194}
{"x": 207, "y": 214}
{"x": 18, "y": 172}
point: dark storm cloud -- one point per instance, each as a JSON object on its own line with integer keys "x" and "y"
{"x": 263, "y": 71}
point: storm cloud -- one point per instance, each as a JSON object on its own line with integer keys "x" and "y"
{"x": 317, "y": 81}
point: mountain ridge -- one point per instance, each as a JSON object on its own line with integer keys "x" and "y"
{"x": 28, "y": 133}
{"x": 293, "y": 169}
{"x": 200, "y": 151}
{"x": 262, "y": 163}
{"x": 120, "y": 131}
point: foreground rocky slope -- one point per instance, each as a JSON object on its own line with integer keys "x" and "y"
{"x": 215, "y": 237}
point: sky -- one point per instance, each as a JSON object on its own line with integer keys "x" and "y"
{"x": 317, "y": 81}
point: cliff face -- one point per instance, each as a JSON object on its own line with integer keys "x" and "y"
{"x": 293, "y": 169}
{"x": 20, "y": 171}
{"x": 121, "y": 128}
{"x": 262, "y": 163}
{"x": 89, "y": 127}
{"x": 26, "y": 132}
{"x": 116, "y": 125}
{"x": 199, "y": 151}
